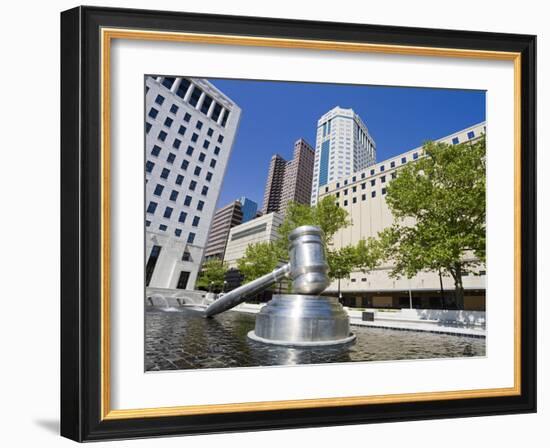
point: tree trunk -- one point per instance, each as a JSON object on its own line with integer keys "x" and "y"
{"x": 441, "y": 289}
{"x": 339, "y": 293}
{"x": 459, "y": 288}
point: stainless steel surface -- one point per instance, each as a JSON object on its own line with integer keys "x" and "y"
{"x": 302, "y": 320}
{"x": 307, "y": 260}
{"x": 307, "y": 269}
{"x": 238, "y": 295}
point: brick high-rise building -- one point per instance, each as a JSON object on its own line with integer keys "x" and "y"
{"x": 298, "y": 176}
{"x": 289, "y": 181}
{"x": 274, "y": 184}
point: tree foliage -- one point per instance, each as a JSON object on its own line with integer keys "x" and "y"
{"x": 212, "y": 275}
{"x": 259, "y": 259}
{"x": 439, "y": 206}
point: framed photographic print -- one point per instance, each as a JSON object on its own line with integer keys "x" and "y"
{"x": 274, "y": 223}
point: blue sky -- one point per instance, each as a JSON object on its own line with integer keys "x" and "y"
{"x": 276, "y": 114}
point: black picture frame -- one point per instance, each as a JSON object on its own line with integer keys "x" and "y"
{"x": 81, "y": 209}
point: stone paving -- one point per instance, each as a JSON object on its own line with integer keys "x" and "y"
{"x": 184, "y": 339}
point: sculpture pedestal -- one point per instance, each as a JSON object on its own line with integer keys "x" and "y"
{"x": 302, "y": 321}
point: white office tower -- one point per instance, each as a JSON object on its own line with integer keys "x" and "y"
{"x": 190, "y": 127}
{"x": 343, "y": 147}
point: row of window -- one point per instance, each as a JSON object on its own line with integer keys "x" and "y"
{"x": 195, "y": 96}
{"x": 364, "y": 197}
{"x": 165, "y": 173}
{"x": 152, "y": 208}
{"x": 364, "y": 184}
{"x": 174, "y": 194}
{"x": 177, "y": 232}
{"x": 471, "y": 135}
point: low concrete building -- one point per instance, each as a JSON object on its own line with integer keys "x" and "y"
{"x": 363, "y": 196}
{"x": 259, "y": 230}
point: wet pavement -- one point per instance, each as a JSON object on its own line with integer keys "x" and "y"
{"x": 184, "y": 339}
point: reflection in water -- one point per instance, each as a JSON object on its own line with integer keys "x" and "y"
{"x": 186, "y": 340}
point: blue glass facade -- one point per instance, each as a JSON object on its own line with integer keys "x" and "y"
{"x": 249, "y": 208}
{"x": 323, "y": 166}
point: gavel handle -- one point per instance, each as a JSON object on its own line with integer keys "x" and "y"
{"x": 238, "y": 295}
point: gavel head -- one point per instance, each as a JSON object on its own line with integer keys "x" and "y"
{"x": 308, "y": 265}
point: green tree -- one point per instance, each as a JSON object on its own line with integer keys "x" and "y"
{"x": 341, "y": 263}
{"x": 212, "y": 275}
{"x": 439, "y": 206}
{"x": 259, "y": 259}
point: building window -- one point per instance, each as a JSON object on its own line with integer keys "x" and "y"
{"x": 159, "y": 100}
{"x": 353, "y": 179}
{"x": 455, "y": 140}
{"x": 213, "y": 163}
{"x": 153, "y": 112}
{"x": 179, "y": 179}
{"x": 354, "y": 200}
{"x": 220, "y": 138}
{"x": 372, "y": 182}
{"x": 158, "y": 190}
{"x": 373, "y": 194}
{"x": 202, "y": 156}
{"x": 186, "y": 256}
{"x": 415, "y": 156}
{"x": 183, "y": 88}
{"x": 403, "y": 160}
{"x": 165, "y": 173}
{"x": 168, "y": 212}
{"x": 194, "y": 137}
{"x": 382, "y": 168}
{"x": 191, "y": 238}
{"x": 189, "y": 151}
{"x": 204, "y": 191}
{"x": 337, "y": 184}
{"x": 147, "y": 223}
{"x": 168, "y": 82}
{"x": 383, "y": 179}
{"x": 471, "y": 135}
{"x": 394, "y": 175}
{"x": 193, "y": 185}
{"x": 392, "y": 164}
{"x": 182, "y": 217}
{"x": 177, "y": 143}
{"x": 149, "y": 166}
{"x": 216, "y": 112}
{"x": 163, "y": 227}
{"x": 197, "y": 171}
{"x": 206, "y": 104}
{"x": 210, "y": 132}
{"x": 162, "y": 136}
{"x": 363, "y": 197}
{"x": 354, "y": 189}
{"x": 362, "y": 175}
{"x": 194, "y": 99}
{"x": 174, "y": 109}
{"x": 168, "y": 122}
{"x": 371, "y": 172}
{"x": 174, "y": 195}
{"x": 200, "y": 205}
{"x": 199, "y": 124}
{"x": 326, "y": 189}
{"x": 363, "y": 185}
{"x": 177, "y": 232}
{"x": 155, "y": 151}
{"x": 337, "y": 194}
{"x": 383, "y": 191}
{"x": 345, "y": 182}
{"x": 152, "y": 207}
{"x": 184, "y": 164}
{"x": 171, "y": 157}
{"x": 345, "y": 202}
{"x": 209, "y": 176}
{"x": 181, "y": 130}
{"x": 346, "y": 192}
{"x": 196, "y": 221}
{"x": 206, "y": 144}
{"x": 216, "y": 150}
{"x": 147, "y": 127}
{"x": 187, "y": 117}
{"x": 225, "y": 117}
{"x": 187, "y": 200}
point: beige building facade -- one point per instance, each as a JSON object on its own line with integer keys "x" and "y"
{"x": 264, "y": 229}
{"x": 362, "y": 195}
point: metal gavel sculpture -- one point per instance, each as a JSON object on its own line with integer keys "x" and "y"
{"x": 302, "y": 318}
